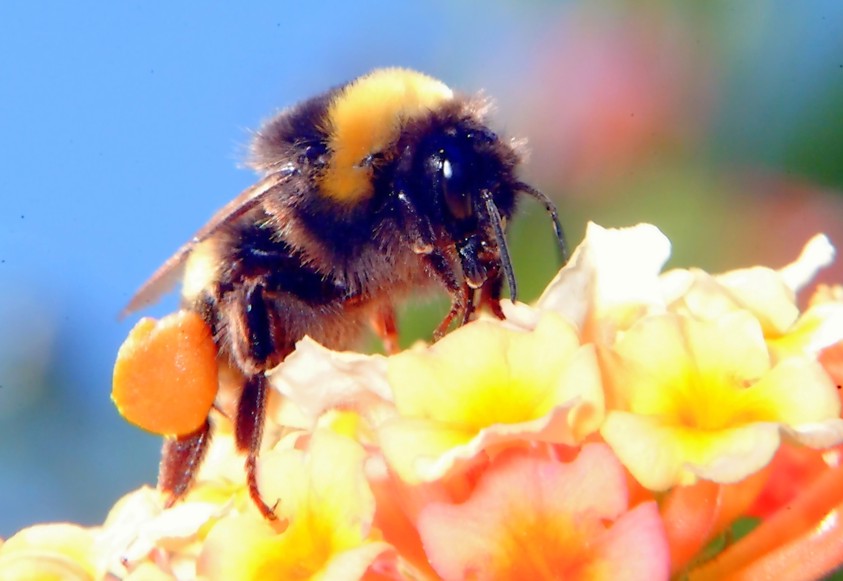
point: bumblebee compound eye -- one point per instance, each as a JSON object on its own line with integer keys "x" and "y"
{"x": 451, "y": 181}
{"x": 455, "y": 192}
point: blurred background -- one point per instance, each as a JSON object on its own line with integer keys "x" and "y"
{"x": 122, "y": 128}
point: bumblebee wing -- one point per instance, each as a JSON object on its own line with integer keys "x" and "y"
{"x": 169, "y": 273}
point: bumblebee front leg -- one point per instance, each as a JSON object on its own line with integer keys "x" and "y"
{"x": 490, "y": 295}
{"x": 481, "y": 273}
{"x": 462, "y": 296}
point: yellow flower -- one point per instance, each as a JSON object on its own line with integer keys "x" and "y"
{"x": 611, "y": 280}
{"x": 485, "y": 386}
{"x": 49, "y": 552}
{"x": 696, "y": 399}
{"x": 325, "y": 510}
{"x": 758, "y": 290}
{"x": 819, "y": 327}
{"x": 770, "y": 295}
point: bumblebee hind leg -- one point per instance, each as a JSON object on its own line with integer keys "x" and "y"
{"x": 180, "y": 459}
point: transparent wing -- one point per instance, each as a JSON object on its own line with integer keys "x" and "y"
{"x": 169, "y": 273}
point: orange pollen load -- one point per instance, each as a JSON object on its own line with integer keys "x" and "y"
{"x": 166, "y": 377}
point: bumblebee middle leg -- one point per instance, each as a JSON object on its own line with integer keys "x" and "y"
{"x": 248, "y": 432}
{"x": 254, "y": 349}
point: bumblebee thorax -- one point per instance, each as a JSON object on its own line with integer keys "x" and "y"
{"x": 365, "y": 118}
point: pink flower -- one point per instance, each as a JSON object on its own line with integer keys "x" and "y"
{"x": 534, "y": 517}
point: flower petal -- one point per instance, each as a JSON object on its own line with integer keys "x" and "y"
{"x": 325, "y": 510}
{"x": 661, "y": 456}
{"x": 817, "y": 254}
{"x": 317, "y": 379}
{"x": 531, "y": 518}
{"x": 612, "y": 275}
{"x": 49, "y": 552}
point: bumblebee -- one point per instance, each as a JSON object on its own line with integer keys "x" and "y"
{"x": 370, "y": 192}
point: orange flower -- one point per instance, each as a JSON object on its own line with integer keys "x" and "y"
{"x": 534, "y": 517}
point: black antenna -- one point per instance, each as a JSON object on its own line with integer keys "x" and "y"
{"x": 551, "y": 209}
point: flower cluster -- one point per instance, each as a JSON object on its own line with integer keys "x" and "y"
{"x": 616, "y": 429}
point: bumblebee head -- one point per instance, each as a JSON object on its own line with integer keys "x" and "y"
{"x": 466, "y": 176}
{"x": 461, "y": 165}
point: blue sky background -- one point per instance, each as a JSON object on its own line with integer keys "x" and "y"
{"x": 121, "y": 129}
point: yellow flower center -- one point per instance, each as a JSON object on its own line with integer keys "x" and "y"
{"x": 712, "y": 403}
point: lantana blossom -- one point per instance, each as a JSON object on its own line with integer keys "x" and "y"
{"x": 611, "y": 280}
{"x": 770, "y": 295}
{"x": 49, "y": 552}
{"x": 701, "y": 399}
{"x": 525, "y": 447}
{"x": 485, "y": 387}
{"x": 325, "y": 510}
{"x": 534, "y": 517}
